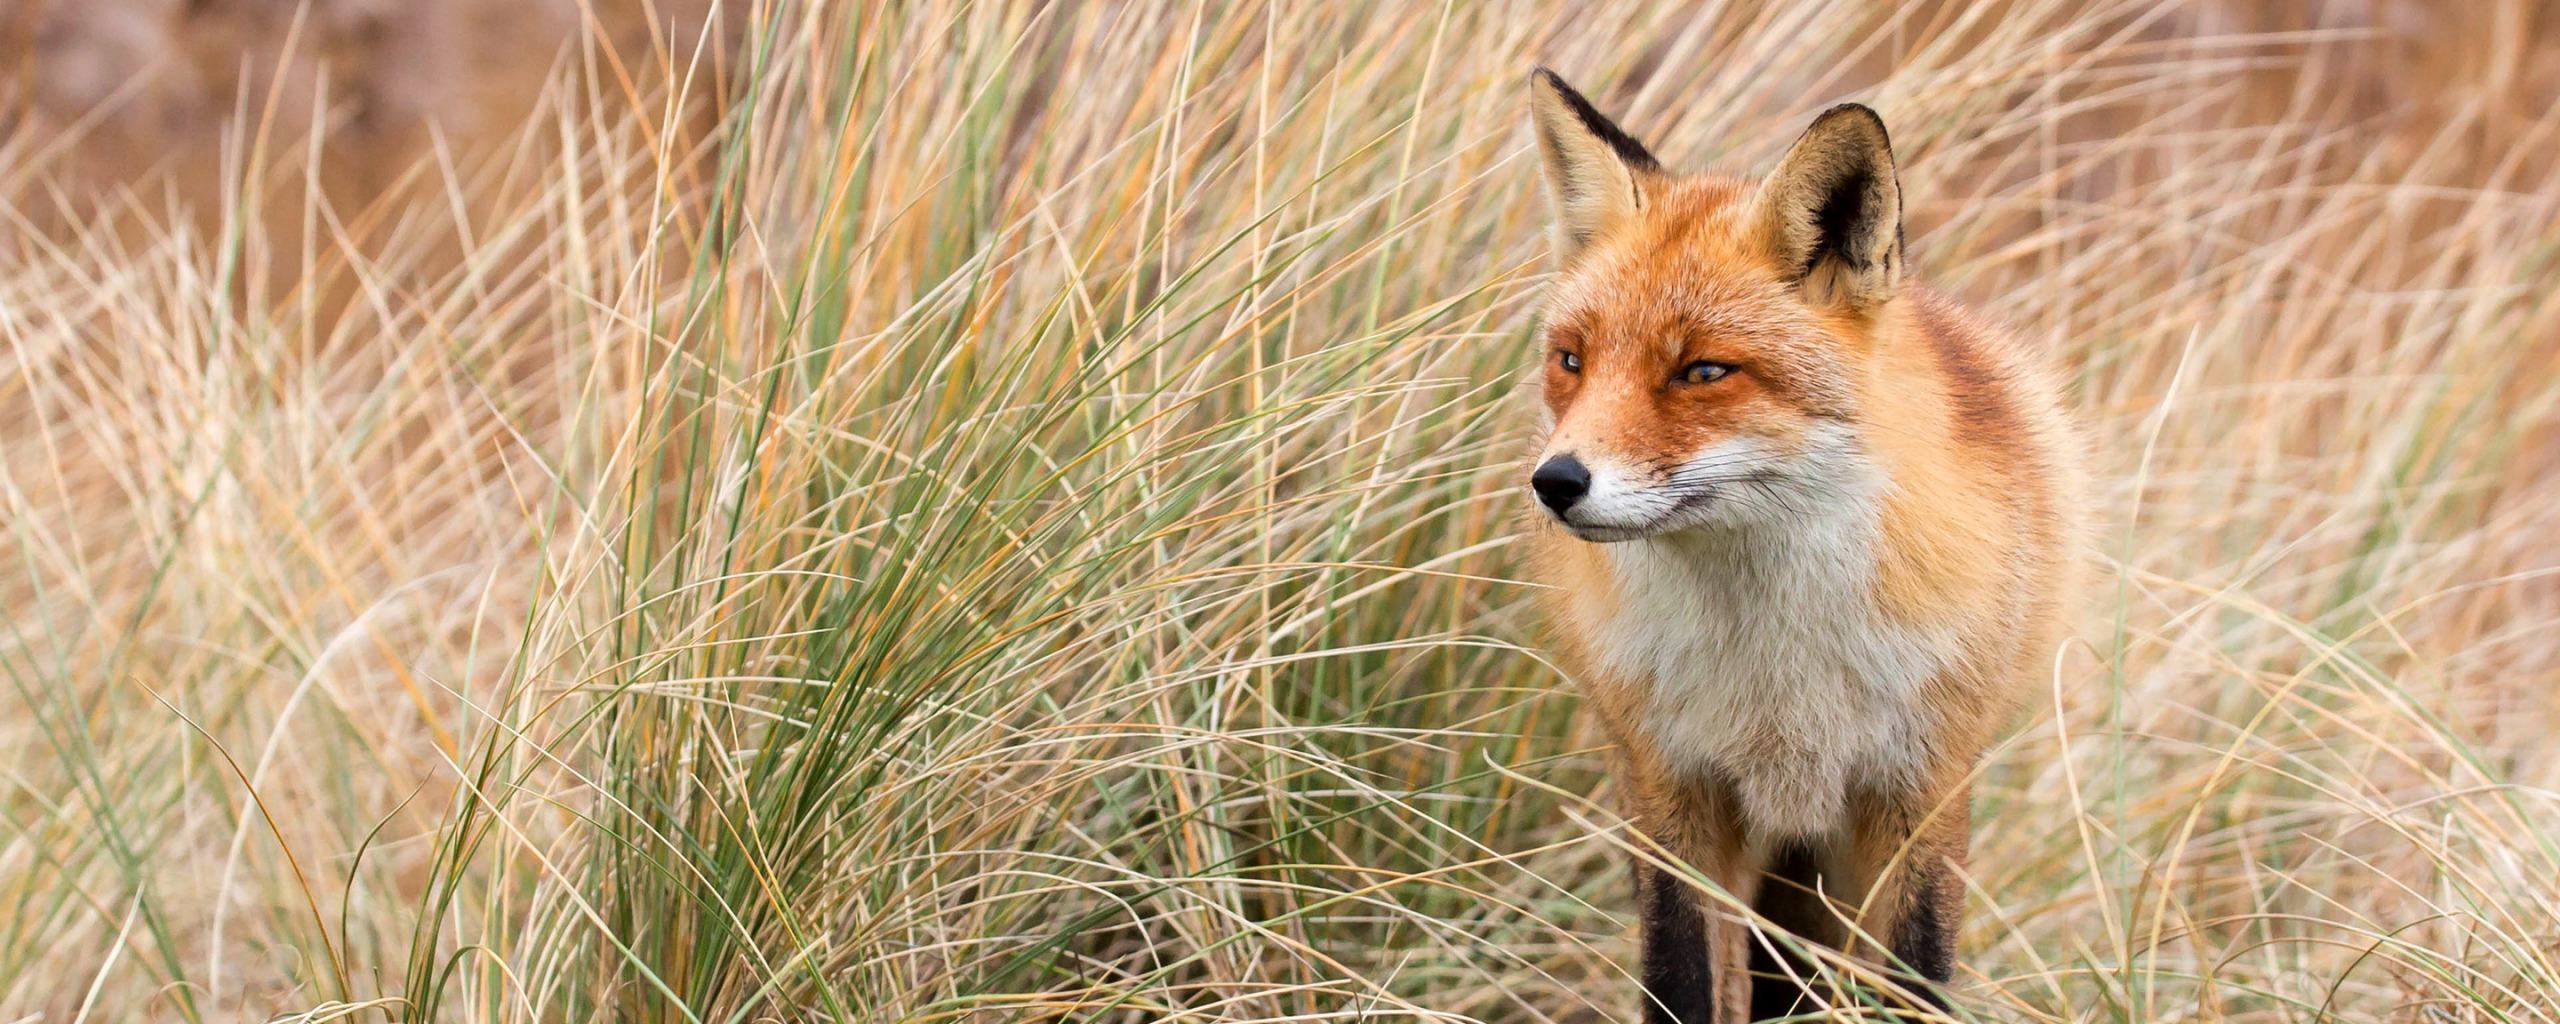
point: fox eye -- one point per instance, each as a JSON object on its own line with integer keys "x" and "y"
{"x": 1571, "y": 363}
{"x": 1704, "y": 373}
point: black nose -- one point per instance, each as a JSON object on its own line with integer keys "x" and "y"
{"x": 1560, "y": 482}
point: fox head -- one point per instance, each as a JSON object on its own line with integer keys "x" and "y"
{"x": 1704, "y": 334}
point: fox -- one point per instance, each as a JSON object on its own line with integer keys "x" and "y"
{"x": 1806, "y": 531}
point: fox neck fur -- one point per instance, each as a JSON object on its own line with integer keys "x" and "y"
{"x": 1763, "y": 661}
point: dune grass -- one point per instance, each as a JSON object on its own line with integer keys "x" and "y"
{"x": 1008, "y": 520}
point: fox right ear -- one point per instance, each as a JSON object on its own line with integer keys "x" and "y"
{"x": 1593, "y": 169}
{"x": 1832, "y": 211}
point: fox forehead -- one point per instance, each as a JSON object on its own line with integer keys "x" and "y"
{"x": 1685, "y": 279}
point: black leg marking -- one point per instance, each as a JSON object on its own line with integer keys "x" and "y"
{"x": 1790, "y": 898}
{"x": 1678, "y": 988}
{"x": 1925, "y": 938}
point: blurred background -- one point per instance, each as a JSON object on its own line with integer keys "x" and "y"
{"x": 729, "y": 510}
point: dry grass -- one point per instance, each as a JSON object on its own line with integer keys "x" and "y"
{"x": 1010, "y": 523}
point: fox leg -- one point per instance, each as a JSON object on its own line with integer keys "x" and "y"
{"x": 1923, "y": 938}
{"x": 1696, "y": 954}
{"x": 1679, "y": 984}
{"x": 1915, "y": 906}
{"x": 1730, "y": 941}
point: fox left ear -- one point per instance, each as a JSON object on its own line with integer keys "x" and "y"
{"x": 1594, "y": 170}
{"x": 1832, "y": 211}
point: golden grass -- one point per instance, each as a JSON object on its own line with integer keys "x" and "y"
{"x": 1011, "y": 524}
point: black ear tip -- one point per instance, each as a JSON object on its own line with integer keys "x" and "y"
{"x": 1595, "y": 122}
{"x": 1847, "y": 114}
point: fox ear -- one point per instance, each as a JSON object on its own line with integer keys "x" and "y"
{"x": 1593, "y": 169}
{"x": 1832, "y": 211}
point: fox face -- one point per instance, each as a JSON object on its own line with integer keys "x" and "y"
{"x": 1704, "y": 339}
{"x": 1703, "y": 397}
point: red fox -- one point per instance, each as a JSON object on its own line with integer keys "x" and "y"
{"x": 1808, "y": 530}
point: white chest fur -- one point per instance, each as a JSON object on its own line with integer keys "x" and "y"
{"x": 1768, "y": 663}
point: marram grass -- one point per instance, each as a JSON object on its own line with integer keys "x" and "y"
{"x": 1006, "y": 519}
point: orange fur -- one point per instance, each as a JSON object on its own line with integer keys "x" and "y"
{"x": 1832, "y": 569}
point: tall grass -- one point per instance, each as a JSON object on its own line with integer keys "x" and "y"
{"x": 1011, "y": 522}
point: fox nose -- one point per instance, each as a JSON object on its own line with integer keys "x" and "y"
{"x": 1560, "y": 482}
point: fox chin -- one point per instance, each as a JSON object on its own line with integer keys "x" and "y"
{"x": 1808, "y": 529}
